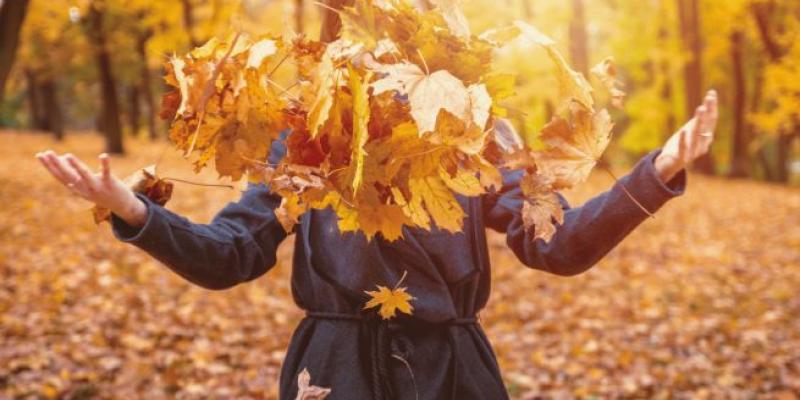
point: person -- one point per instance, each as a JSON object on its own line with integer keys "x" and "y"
{"x": 439, "y": 352}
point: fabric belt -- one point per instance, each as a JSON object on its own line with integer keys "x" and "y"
{"x": 382, "y": 347}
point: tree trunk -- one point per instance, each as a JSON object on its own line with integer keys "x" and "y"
{"x": 298, "y": 16}
{"x": 689, "y": 18}
{"x": 667, "y": 90}
{"x": 12, "y": 15}
{"x": 741, "y": 141}
{"x": 762, "y": 13}
{"x": 331, "y": 22}
{"x": 145, "y": 86}
{"x": 134, "y": 111}
{"x": 52, "y": 111}
{"x": 578, "y": 38}
{"x": 109, "y": 117}
{"x": 784, "y": 152}
{"x": 188, "y": 22}
{"x": 34, "y": 101}
{"x": 45, "y": 111}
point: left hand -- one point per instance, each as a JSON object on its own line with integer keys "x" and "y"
{"x": 691, "y": 141}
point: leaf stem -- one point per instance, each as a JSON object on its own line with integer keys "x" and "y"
{"x": 627, "y": 193}
{"x": 275, "y": 68}
{"x": 402, "y": 278}
{"x": 424, "y": 64}
{"x": 198, "y": 183}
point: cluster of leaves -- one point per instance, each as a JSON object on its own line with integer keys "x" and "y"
{"x": 389, "y": 124}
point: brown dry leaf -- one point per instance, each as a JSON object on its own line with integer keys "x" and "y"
{"x": 542, "y": 210}
{"x": 144, "y": 181}
{"x": 574, "y": 147}
{"x": 606, "y": 71}
{"x": 307, "y": 391}
{"x": 573, "y": 84}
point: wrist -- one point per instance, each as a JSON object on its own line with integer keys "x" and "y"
{"x": 666, "y": 167}
{"x": 133, "y": 211}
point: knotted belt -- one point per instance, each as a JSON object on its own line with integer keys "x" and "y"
{"x": 383, "y": 347}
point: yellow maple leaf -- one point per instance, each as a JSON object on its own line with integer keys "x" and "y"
{"x": 439, "y": 201}
{"x": 390, "y": 300}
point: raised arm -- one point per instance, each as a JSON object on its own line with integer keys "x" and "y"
{"x": 589, "y": 232}
{"x": 238, "y": 245}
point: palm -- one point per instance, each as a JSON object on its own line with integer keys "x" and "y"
{"x": 692, "y": 140}
{"x": 101, "y": 188}
{"x": 697, "y": 134}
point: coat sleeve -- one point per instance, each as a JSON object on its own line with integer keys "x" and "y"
{"x": 589, "y": 232}
{"x": 238, "y": 245}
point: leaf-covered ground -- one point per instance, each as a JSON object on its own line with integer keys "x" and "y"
{"x": 702, "y": 302}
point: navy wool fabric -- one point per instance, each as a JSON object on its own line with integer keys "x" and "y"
{"x": 441, "y": 352}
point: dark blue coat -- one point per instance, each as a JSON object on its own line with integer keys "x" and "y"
{"x": 349, "y": 350}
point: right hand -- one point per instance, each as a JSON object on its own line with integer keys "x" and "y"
{"x": 101, "y": 188}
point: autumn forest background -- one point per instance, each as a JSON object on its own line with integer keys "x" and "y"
{"x": 701, "y": 302}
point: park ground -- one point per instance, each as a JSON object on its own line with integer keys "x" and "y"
{"x": 701, "y": 302}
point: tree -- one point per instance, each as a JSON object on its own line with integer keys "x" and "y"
{"x": 578, "y": 38}
{"x": 12, "y": 16}
{"x": 740, "y": 159}
{"x": 146, "y": 85}
{"x": 780, "y": 114}
{"x": 689, "y": 22}
{"x": 188, "y": 21}
{"x": 331, "y": 22}
{"x": 109, "y": 120}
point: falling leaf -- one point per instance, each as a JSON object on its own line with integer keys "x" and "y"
{"x": 307, "y": 391}
{"x": 575, "y": 147}
{"x": 573, "y": 84}
{"x": 606, "y": 71}
{"x": 390, "y": 301}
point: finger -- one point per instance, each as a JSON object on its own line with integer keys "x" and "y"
{"x": 709, "y": 122}
{"x": 692, "y": 137}
{"x": 43, "y": 159}
{"x": 87, "y": 178}
{"x": 105, "y": 166}
{"x": 69, "y": 175}
{"x": 714, "y": 100}
{"x": 682, "y": 145}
